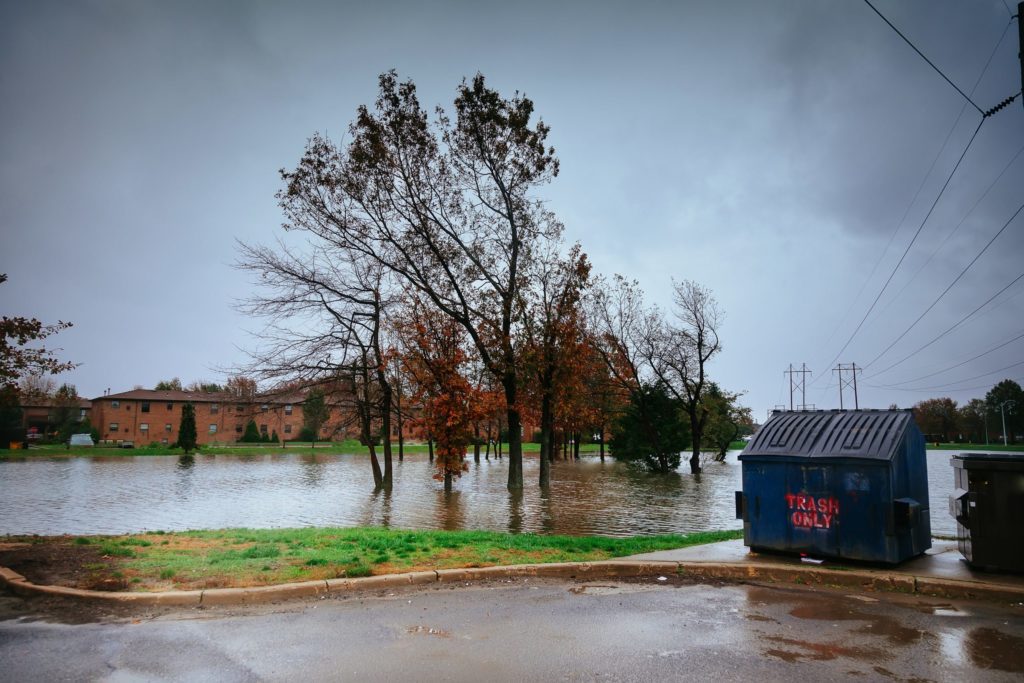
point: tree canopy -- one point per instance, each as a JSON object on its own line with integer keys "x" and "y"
{"x": 425, "y": 228}
{"x": 18, "y": 355}
{"x": 652, "y": 431}
{"x": 187, "y": 428}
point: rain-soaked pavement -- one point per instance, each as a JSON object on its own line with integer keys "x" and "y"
{"x": 535, "y": 630}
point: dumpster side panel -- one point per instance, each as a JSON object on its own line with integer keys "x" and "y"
{"x": 863, "y": 519}
{"x": 811, "y": 508}
{"x": 763, "y": 524}
{"x": 910, "y": 480}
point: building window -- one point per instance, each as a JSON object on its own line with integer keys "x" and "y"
{"x": 81, "y": 414}
{"x": 170, "y": 406}
{"x": 213, "y": 428}
{"x": 115, "y": 404}
{"x": 287, "y": 408}
{"x": 264, "y": 407}
{"x": 167, "y": 427}
{"x": 164, "y": 441}
{"x": 214, "y": 408}
{"x": 239, "y": 408}
{"x": 288, "y": 429}
{"x": 144, "y": 427}
{"x": 113, "y": 426}
{"x": 145, "y": 407}
{"x": 238, "y": 429}
{"x": 263, "y": 430}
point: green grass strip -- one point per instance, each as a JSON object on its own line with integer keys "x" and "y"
{"x": 246, "y": 557}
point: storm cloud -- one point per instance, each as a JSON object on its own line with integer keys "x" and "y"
{"x": 769, "y": 150}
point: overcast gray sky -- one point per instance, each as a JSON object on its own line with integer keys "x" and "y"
{"x": 768, "y": 150}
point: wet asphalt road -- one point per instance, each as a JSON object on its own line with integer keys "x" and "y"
{"x": 533, "y": 630}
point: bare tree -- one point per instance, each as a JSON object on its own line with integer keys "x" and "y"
{"x": 639, "y": 344}
{"x": 679, "y": 353}
{"x": 36, "y": 389}
{"x": 325, "y": 314}
{"x": 443, "y": 208}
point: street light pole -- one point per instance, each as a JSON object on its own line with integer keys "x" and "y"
{"x": 1002, "y": 411}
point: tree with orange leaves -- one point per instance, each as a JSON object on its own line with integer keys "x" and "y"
{"x": 437, "y": 359}
{"x": 554, "y": 326}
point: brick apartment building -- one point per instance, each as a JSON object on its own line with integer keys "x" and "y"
{"x": 41, "y": 417}
{"x": 144, "y": 416}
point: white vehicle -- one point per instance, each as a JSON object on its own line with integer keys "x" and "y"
{"x": 81, "y": 440}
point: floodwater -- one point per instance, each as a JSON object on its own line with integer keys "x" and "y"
{"x": 111, "y": 495}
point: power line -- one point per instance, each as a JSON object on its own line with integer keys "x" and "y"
{"x": 953, "y": 231}
{"x": 953, "y": 367}
{"x": 948, "y": 329}
{"x": 910, "y": 244}
{"x": 951, "y": 284}
{"x": 1019, "y": 380}
{"x": 952, "y": 384}
{"x": 937, "y": 70}
{"x": 917, "y": 193}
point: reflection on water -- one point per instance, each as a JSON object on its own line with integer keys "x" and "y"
{"x": 126, "y": 494}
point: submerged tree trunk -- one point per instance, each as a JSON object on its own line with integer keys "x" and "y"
{"x": 576, "y": 446}
{"x": 546, "y": 428}
{"x": 430, "y": 448}
{"x": 386, "y": 427}
{"x": 476, "y": 443}
{"x": 601, "y": 434}
{"x": 378, "y": 478}
{"x": 515, "y": 434}
{"x": 400, "y": 419}
{"x": 696, "y": 433}
{"x": 401, "y": 437}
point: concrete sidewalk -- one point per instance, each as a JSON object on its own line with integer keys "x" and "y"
{"x": 943, "y": 561}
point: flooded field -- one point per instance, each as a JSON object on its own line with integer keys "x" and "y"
{"x": 130, "y": 494}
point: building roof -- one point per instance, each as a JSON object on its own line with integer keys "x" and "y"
{"x": 51, "y": 403}
{"x": 198, "y": 397}
{"x": 158, "y": 396}
{"x": 872, "y": 434}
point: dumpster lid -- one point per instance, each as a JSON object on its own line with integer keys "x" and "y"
{"x": 990, "y": 456}
{"x": 862, "y": 434}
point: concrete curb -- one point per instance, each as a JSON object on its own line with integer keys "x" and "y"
{"x": 701, "y": 571}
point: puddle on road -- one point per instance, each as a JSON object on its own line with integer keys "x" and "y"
{"x": 428, "y": 631}
{"x": 595, "y": 589}
{"x": 942, "y": 609}
{"x": 761, "y": 617}
{"x": 613, "y": 588}
{"x": 819, "y": 607}
{"x": 992, "y": 649}
{"x": 820, "y": 652}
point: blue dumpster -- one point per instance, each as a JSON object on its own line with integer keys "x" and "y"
{"x": 843, "y": 484}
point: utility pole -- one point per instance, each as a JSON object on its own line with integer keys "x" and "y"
{"x": 1002, "y": 411}
{"x": 848, "y": 383}
{"x": 800, "y": 384}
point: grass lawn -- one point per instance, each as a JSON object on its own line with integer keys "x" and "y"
{"x": 254, "y": 557}
{"x": 351, "y": 447}
{"x": 975, "y": 447}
